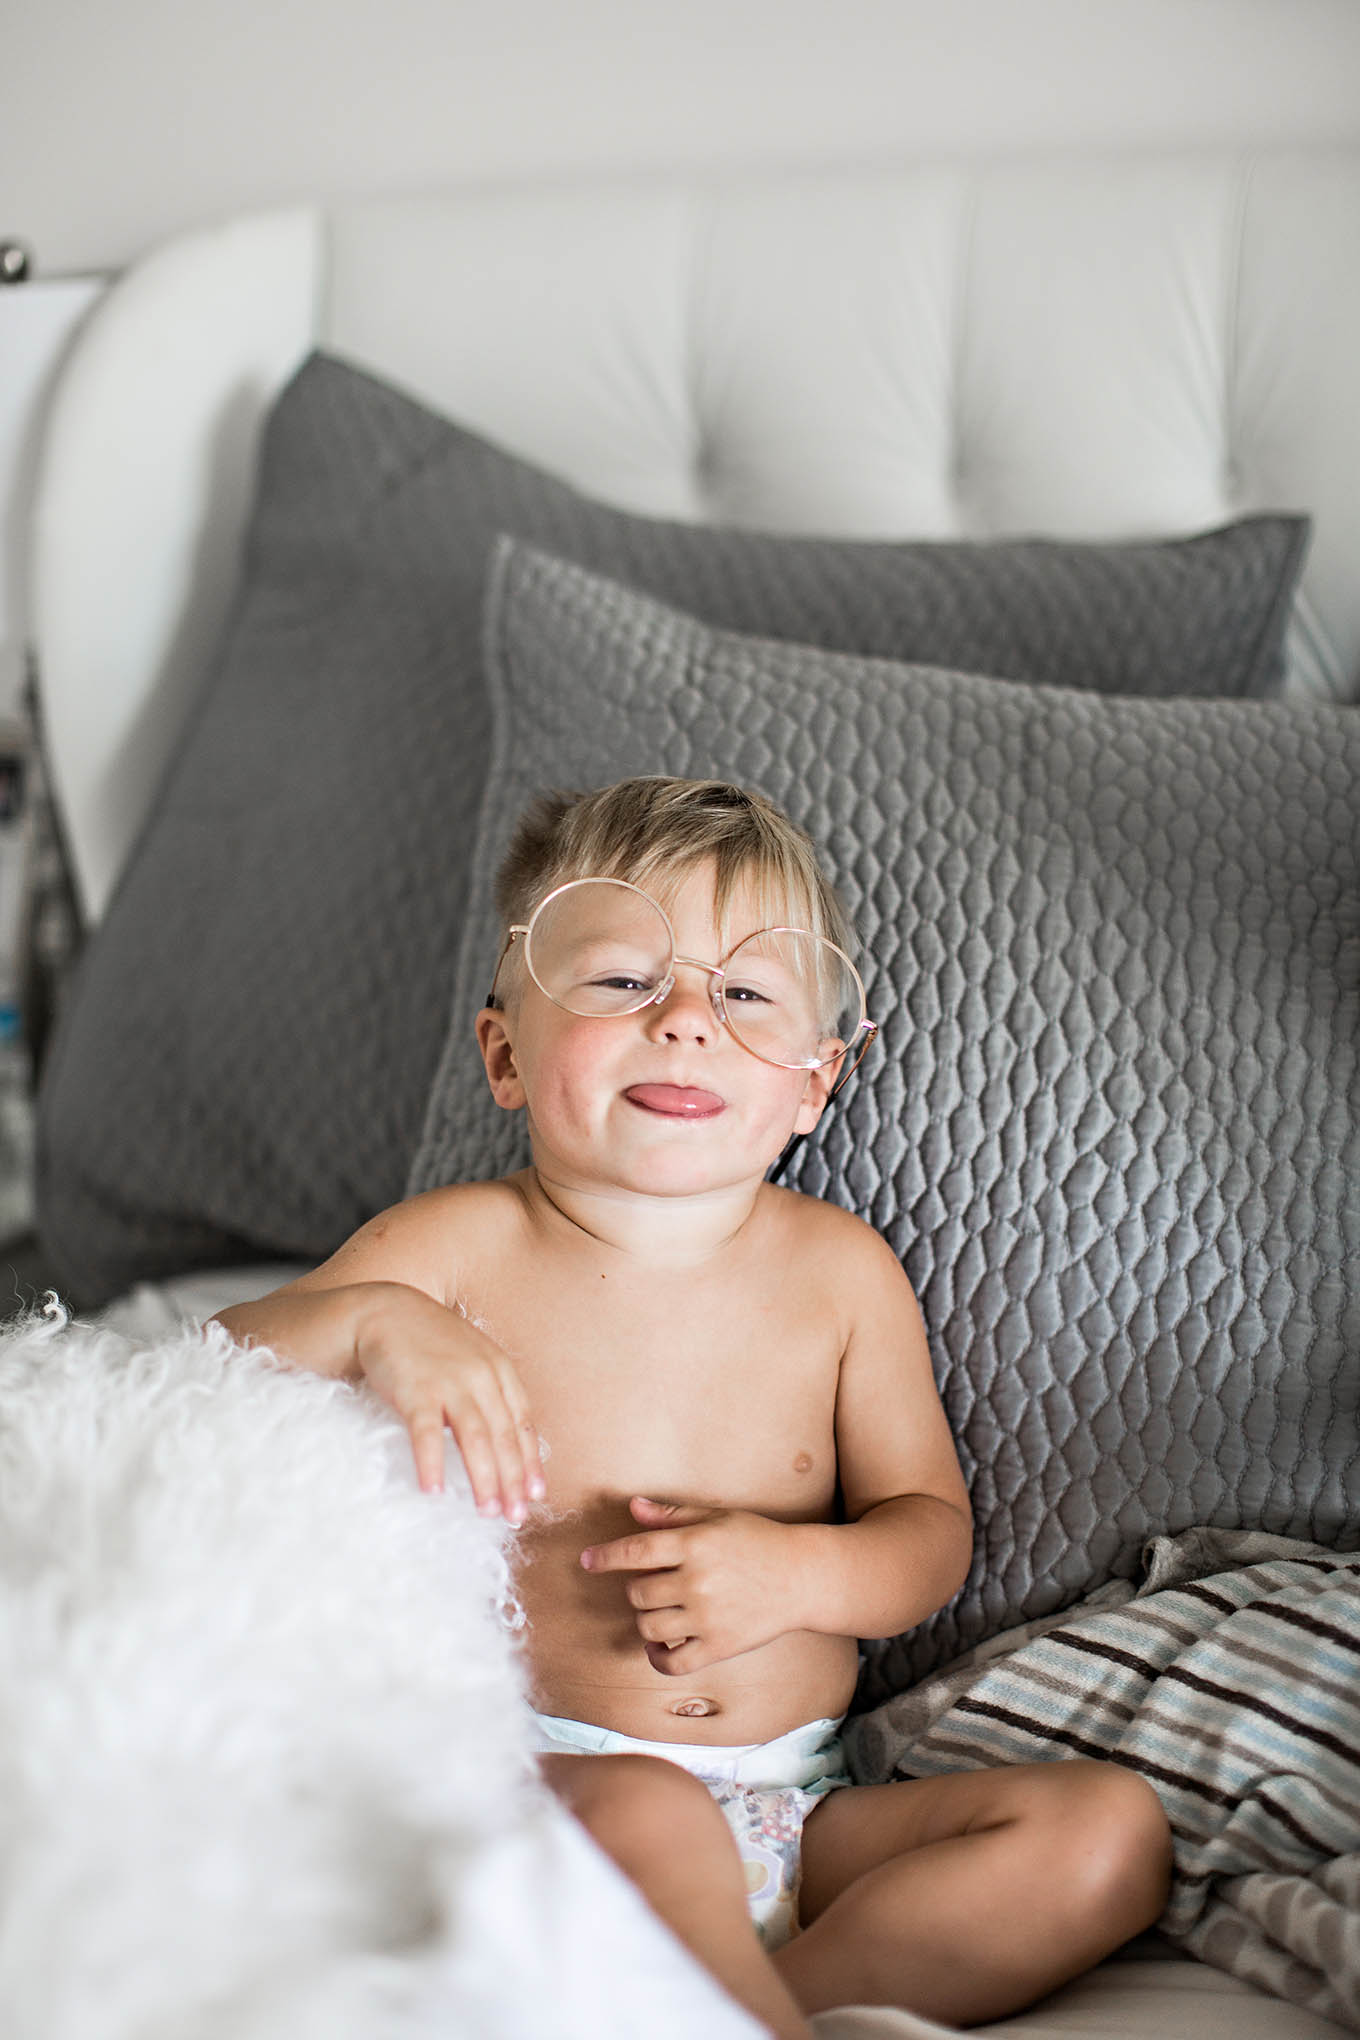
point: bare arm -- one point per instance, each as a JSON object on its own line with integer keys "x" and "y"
{"x": 885, "y": 1572}
{"x": 320, "y": 1328}
{"x": 376, "y": 1312}
{"x": 906, "y": 1544}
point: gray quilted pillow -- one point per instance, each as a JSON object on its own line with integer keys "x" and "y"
{"x": 1113, "y": 1125}
{"x": 245, "y": 1061}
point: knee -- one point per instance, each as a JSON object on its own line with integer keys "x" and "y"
{"x": 1114, "y": 1843}
{"x": 628, "y": 1803}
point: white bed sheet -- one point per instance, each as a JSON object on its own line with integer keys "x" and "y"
{"x": 1122, "y": 2000}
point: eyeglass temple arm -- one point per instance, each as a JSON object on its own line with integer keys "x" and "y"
{"x": 795, "y": 1141}
{"x": 505, "y": 951}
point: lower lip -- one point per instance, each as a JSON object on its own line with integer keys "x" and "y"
{"x": 667, "y": 1101}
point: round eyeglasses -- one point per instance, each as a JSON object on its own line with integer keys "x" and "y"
{"x": 602, "y": 948}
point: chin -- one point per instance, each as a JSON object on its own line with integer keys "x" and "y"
{"x": 677, "y": 1175}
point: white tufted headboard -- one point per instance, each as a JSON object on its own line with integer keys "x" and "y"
{"x": 1107, "y": 347}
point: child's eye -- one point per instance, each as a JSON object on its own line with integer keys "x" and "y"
{"x": 608, "y": 969}
{"x": 618, "y": 973}
{"x": 748, "y": 995}
{"x": 623, "y": 981}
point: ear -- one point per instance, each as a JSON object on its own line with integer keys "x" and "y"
{"x": 820, "y": 1084}
{"x": 498, "y": 1058}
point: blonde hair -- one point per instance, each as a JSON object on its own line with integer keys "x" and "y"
{"x": 653, "y": 831}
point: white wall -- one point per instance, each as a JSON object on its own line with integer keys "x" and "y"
{"x": 34, "y": 325}
{"x": 123, "y": 119}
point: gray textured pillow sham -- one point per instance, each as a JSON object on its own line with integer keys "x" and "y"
{"x": 1113, "y": 1125}
{"x": 245, "y": 1061}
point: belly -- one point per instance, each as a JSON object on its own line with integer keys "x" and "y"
{"x": 587, "y": 1660}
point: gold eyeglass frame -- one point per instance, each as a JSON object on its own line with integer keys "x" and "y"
{"x": 865, "y": 1027}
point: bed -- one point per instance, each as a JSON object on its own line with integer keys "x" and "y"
{"x": 1000, "y": 518}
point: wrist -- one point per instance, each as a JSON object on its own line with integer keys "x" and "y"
{"x": 817, "y": 1565}
{"x": 376, "y": 1312}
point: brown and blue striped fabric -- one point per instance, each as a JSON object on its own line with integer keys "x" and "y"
{"x": 1230, "y": 1679}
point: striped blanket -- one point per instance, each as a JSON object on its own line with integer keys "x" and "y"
{"x": 1230, "y": 1678}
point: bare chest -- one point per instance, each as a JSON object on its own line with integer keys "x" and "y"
{"x": 684, "y": 1392}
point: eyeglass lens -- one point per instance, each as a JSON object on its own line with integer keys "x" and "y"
{"x": 599, "y": 948}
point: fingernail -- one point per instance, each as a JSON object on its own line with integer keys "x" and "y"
{"x": 538, "y": 1487}
{"x": 514, "y": 1516}
{"x": 489, "y": 1507}
{"x": 587, "y": 1559}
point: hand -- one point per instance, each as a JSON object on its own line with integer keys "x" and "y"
{"x": 708, "y": 1583}
{"x": 437, "y": 1370}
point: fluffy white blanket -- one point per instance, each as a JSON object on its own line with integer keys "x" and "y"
{"x": 263, "y": 1767}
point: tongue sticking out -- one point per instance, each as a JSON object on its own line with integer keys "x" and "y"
{"x": 675, "y": 1101}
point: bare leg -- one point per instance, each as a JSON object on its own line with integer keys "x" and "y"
{"x": 967, "y": 1897}
{"x": 663, "y": 1829}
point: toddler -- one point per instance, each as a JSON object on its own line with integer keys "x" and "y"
{"x": 748, "y": 1466}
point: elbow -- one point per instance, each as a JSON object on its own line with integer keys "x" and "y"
{"x": 961, "y": 1552}
{"x": 961, "y": 1547}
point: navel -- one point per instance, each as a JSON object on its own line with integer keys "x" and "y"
{"x": 697, "y": 1705}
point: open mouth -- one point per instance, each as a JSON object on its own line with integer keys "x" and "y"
{"x": 675, "y": 1101}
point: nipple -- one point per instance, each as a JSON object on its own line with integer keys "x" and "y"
{"x": 698, "y": 1705}
{"x": 803, "y": 1463}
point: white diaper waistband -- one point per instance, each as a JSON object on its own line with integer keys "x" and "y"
{"x": 808, "y": 1755}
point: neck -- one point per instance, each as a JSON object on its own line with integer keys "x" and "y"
{"x": 672, "y": 1232}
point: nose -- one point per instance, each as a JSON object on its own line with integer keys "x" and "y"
{"x": 687, "y": 1012}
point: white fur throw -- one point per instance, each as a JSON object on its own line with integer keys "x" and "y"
{"x": 263, "y": 1769}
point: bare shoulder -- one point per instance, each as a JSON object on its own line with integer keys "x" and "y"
{"x": 425, "y": 1240}
{"x": 812, "y": 1226}
{"x": 892, "y": 1434}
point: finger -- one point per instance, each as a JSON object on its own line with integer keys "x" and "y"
{"x": 641, "y": 1553}
{"x": 669, "y": 1626}
{"x": 526, "y": 1433}
{"x": 671, "y": 1515}
{"x": 531, "y": 1445}
{"x": 474, "y": 1443}
{"x": 652, "y": 1590}
{"x": 679, "y": 1661}
{"x": 489, "y": 1439}
{"x": 427, "y": 1445}
{"x": 512, "y": 1485}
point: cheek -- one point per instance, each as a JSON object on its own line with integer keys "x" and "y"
{"x": 563, "y": 1072}
{"x": 784, "y": 1100}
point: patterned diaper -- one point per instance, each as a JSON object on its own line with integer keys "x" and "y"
{"x": 765, "y": 1790}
